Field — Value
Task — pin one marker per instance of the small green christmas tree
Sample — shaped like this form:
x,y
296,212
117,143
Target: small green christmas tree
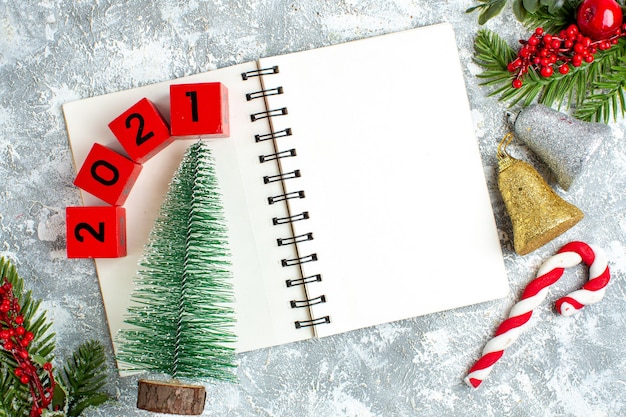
x,y
181,310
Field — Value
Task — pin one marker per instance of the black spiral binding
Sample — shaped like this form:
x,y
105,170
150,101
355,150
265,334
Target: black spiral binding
x,y
277,155
290,219
313,322
281,178
259,72
302,281
273,135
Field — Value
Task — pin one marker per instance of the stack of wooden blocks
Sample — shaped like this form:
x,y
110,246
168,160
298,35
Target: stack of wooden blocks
x,y
196,111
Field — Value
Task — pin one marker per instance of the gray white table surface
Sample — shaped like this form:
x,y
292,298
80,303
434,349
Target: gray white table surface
x,y
55,51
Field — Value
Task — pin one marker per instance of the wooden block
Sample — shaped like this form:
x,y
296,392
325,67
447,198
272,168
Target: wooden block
x,y
95,232
107,175
199,110
142,131
171,398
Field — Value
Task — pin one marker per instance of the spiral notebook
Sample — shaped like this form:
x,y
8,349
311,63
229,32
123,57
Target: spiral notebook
x,y
352,185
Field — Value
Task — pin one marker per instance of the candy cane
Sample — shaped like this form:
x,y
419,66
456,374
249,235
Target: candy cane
x,y
549,273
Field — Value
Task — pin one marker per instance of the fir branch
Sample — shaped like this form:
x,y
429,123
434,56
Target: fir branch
x,y
594,90
31,351
43,342
492,52
84,376
14,401
608,101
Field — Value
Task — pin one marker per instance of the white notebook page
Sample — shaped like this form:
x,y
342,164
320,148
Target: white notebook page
x,y
395,188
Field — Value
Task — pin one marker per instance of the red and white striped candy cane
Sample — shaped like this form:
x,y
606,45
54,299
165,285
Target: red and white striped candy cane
x,y
550,272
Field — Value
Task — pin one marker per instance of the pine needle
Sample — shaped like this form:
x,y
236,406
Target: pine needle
x,y
84,376
14,401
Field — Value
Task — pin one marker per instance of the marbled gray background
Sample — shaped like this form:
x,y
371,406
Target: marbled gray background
x,y
55,51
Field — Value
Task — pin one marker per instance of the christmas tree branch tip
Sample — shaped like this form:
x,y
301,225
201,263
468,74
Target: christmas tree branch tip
x,y
28,380
566,69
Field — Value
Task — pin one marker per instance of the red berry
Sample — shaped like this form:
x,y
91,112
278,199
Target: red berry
x,y
47,366
599,19
564,69
24,379
517,83
546,71
572,30
577,60
514,65
524,52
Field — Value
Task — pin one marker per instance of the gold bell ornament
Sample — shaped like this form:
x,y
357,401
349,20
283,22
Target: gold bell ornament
x,y
538,214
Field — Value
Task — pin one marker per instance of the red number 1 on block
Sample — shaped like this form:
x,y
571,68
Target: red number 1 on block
x,y
199,110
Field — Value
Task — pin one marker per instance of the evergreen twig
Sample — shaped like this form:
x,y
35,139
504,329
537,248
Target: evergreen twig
x,y
14,401
19,401
608,101
84,376
594,90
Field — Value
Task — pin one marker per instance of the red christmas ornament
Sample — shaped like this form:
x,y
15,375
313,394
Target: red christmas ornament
x,y
599,19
